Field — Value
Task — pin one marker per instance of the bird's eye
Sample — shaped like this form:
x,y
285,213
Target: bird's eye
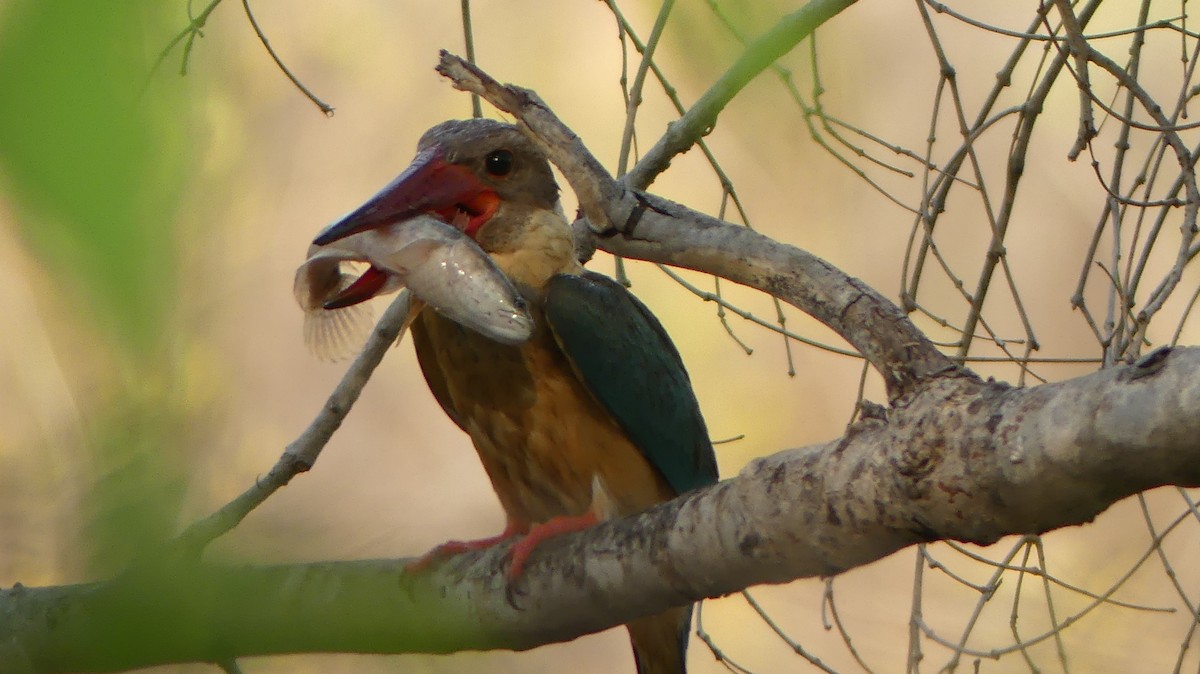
x,y
499,163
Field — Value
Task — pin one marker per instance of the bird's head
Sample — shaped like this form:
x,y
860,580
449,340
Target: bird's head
x,y
465,172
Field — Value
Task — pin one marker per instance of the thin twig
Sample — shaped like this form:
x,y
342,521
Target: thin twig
x,y
728,193
634,97
301,454
325,107
1034,571
193,29
1059,646
700,119
796,646
916,615
841,628
961,649
716,651
469,40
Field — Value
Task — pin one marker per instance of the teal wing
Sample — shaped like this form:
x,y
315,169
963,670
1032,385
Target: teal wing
x,y
627,361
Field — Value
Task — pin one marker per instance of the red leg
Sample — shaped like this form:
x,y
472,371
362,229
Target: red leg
x,y
540,532
451,548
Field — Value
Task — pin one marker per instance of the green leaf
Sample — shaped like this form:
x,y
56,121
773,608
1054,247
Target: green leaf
x,y
89,159
94,164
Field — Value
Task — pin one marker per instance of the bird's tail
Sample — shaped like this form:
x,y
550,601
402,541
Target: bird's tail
x,y
660,641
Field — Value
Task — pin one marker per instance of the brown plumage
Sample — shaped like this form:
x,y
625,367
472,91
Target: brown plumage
x,y
543,416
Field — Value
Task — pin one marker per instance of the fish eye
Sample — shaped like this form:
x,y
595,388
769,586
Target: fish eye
x,y
499,163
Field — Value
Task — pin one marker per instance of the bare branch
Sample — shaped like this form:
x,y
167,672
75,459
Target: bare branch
x,y
194,29
302,453
662,231
634,97
469,41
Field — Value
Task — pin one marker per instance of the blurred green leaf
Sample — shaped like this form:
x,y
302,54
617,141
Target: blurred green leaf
x,y
89,159
94,165
137,482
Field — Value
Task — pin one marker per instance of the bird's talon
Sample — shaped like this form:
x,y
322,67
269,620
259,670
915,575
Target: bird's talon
x,y
512,592
451,548
407,583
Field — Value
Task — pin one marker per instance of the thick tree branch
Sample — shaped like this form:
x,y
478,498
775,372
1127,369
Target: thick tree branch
x,y
961,459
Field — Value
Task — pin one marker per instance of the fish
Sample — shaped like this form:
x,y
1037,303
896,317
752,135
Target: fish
x,y
443,268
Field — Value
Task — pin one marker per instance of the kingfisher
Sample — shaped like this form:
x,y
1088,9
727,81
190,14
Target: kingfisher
x,y
590,418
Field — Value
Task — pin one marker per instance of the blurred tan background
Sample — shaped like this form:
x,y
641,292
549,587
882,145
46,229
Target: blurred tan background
x,y
265,170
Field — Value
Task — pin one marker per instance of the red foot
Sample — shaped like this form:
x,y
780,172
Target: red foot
x,y
540,532
451,548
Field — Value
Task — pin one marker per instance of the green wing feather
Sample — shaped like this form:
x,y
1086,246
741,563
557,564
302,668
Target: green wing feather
x,y
625,358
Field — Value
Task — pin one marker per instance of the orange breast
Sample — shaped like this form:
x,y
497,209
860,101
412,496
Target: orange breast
x,y
541,436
